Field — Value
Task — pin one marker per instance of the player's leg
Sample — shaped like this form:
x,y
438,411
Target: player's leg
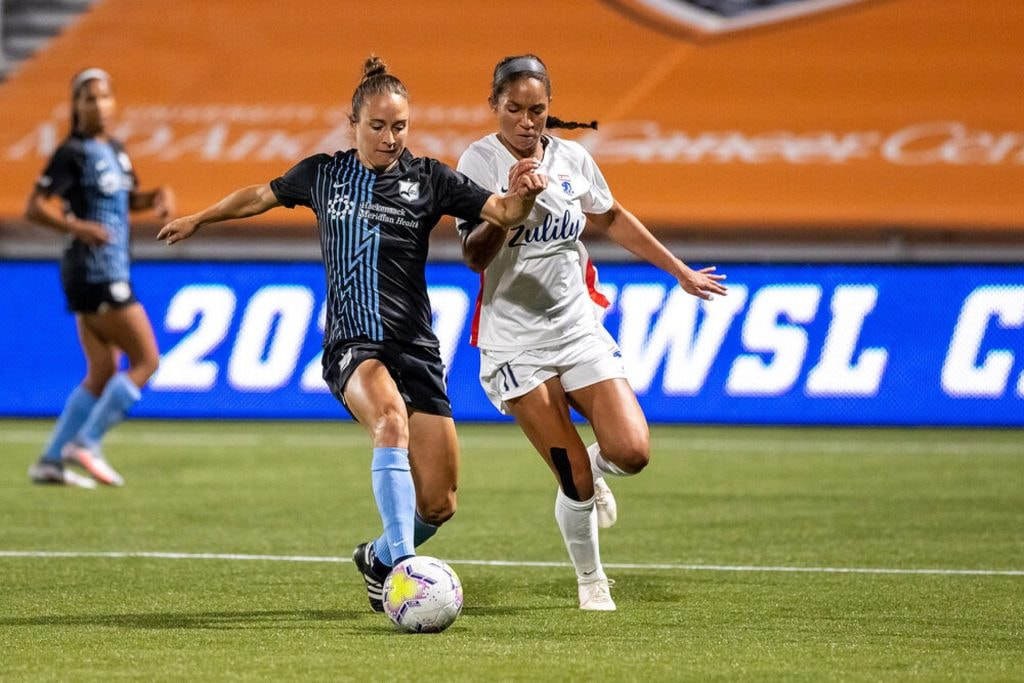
x,y
129,329
543,415
371,395
434,446
434,459
101,361
595,380
434,455
373,398
623,437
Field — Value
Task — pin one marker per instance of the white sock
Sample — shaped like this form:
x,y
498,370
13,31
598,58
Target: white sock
x,y
577,521
599,466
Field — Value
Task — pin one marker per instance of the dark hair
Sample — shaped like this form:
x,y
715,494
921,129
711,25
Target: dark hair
x,y
78,82
516,67
376,81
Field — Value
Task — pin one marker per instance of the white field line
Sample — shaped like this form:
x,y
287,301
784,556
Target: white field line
x,y
798,445
191,439
512,563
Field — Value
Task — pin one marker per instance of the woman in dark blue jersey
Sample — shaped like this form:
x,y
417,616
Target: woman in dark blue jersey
x,y
87,191
375,206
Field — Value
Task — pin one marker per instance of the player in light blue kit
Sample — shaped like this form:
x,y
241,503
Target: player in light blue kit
x,y
87,191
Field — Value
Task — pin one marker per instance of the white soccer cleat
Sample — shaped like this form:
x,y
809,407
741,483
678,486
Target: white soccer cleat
x,y
604,504
596,596
43,472
92,461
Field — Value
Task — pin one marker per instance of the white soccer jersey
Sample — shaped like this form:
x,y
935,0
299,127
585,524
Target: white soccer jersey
x,y
535,292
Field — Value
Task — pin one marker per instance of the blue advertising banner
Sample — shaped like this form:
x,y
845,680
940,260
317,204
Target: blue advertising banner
x,y
790,344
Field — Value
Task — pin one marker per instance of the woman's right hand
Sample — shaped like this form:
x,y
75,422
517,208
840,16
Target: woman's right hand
x,y
178,229
90,232
521,168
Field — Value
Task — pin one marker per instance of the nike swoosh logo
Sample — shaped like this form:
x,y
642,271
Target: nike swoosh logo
x,y
504,190
340,185
345,360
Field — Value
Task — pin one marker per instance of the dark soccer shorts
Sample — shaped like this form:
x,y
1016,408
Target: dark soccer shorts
x,y
417,370
96,297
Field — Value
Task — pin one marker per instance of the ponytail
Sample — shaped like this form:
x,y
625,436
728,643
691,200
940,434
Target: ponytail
x,y
376,81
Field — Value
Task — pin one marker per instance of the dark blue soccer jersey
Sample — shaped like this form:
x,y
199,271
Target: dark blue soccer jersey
x,y
95,179
374,234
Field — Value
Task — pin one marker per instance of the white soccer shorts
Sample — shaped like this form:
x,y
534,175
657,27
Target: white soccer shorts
x,y
579,363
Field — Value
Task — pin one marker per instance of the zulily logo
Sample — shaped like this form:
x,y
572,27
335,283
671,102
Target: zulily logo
x,y
551,230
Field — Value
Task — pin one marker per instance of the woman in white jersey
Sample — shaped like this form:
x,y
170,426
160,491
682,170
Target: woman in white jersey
x,y
542,346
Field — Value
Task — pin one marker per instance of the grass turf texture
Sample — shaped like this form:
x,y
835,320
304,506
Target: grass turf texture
x,y
910,499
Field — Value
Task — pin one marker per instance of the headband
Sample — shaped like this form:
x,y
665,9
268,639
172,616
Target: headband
x,y
89,75
519,65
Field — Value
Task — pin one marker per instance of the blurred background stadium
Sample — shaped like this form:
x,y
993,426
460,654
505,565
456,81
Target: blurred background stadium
x,y
853,166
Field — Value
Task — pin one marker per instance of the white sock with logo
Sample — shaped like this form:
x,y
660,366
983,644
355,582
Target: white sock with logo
x,y
578,523
600,466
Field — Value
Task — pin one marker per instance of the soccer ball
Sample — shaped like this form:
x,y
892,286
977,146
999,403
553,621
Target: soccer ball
x,y
422,595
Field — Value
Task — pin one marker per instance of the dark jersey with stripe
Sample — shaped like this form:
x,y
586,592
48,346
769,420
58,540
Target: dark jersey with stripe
x,y
374,234
95,179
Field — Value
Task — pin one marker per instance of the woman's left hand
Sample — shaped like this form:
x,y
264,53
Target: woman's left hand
x,y
702,283
178,229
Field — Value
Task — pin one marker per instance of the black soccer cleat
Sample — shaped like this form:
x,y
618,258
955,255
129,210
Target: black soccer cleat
x,y
367,564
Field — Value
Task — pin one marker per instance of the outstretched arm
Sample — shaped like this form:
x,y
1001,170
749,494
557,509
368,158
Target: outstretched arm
x,y
626,229
243,203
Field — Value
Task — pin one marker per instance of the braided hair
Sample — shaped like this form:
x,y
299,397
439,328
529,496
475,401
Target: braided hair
x,y
516,67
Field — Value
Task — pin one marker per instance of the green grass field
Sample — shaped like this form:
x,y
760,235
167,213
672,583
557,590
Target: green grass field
x,y
706,557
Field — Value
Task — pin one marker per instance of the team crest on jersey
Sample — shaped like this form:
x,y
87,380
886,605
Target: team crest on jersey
x,y
564,181
409,190
109,180
339,206
702,18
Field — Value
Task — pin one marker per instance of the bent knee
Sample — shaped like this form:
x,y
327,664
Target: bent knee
x,y
144,368
631,457
96,380
439,511
391,428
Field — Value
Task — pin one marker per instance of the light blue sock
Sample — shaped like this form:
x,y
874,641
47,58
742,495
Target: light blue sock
x,y
422,532
76,412
118,397
396,499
